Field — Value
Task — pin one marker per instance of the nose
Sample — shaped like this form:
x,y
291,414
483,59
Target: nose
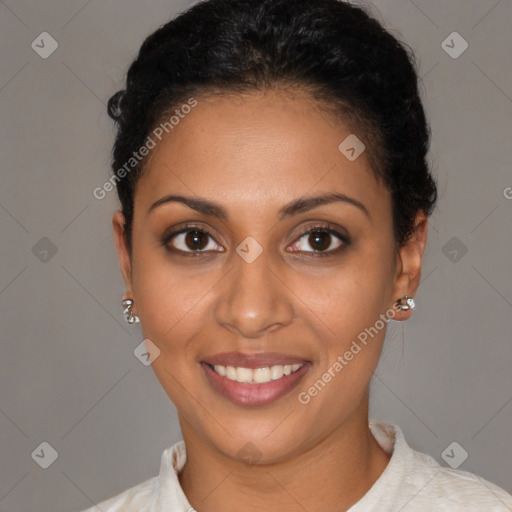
x,y
253,299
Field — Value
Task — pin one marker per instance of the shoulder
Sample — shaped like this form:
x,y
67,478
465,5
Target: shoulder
x,y
446,489
416,482
157,493
135,499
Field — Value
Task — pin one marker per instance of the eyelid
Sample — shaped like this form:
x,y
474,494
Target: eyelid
x,y
327,227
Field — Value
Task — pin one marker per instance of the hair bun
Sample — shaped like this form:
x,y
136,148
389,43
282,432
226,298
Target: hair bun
x,y
116,105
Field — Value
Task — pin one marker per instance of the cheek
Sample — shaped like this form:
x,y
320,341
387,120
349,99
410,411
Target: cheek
x,y
350,332
167,295
170,305
345,311
349,297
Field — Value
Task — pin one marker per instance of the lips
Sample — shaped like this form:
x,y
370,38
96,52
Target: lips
x,y
254,393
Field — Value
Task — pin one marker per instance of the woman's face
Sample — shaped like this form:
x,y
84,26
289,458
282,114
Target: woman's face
x,y
257,284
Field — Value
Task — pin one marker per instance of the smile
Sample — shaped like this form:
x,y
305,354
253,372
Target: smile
x,y
254,386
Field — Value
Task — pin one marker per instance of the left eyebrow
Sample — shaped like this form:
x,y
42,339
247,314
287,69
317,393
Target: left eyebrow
x,y
308,203
297,206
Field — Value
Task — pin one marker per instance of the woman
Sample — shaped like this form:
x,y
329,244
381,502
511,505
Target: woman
x,y
271,166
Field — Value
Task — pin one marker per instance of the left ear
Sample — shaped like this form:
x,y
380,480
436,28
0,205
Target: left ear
x,y
408,264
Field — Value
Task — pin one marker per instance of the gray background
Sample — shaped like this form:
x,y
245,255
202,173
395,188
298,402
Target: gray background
x,y
68,375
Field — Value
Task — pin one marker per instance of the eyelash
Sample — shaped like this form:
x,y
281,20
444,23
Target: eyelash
x,y
327,228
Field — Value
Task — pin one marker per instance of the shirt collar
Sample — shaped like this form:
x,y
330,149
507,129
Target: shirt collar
x,y
383,493
170,495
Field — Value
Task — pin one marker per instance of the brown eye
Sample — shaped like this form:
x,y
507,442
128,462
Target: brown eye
x,y
319,240
322,241
189,240
196,240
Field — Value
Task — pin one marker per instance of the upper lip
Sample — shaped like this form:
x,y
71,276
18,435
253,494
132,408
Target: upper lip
x,y
252,361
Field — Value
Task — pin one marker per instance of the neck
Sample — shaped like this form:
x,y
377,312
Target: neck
x,y
332,475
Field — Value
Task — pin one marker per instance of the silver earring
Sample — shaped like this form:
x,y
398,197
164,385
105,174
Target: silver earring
x,y
127,311
405,303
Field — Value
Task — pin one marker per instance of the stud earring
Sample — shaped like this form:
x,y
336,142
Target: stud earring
x,y
127,311
405,303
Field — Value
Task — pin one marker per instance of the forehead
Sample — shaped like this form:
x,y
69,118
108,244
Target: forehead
x,y
257,150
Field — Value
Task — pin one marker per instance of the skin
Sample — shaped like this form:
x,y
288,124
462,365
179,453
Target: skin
x,y
253,154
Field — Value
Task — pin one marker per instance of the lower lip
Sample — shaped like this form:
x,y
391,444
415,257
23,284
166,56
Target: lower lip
x,y
241,393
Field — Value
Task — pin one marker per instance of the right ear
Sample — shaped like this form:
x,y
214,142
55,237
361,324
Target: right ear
x,y
118,223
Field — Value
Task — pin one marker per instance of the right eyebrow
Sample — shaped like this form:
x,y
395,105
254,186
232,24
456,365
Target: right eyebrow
x,y
201,205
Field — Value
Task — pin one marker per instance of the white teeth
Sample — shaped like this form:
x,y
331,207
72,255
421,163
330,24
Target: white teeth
x,y
243,374
277,372
262,375
230,372
221,370
258,375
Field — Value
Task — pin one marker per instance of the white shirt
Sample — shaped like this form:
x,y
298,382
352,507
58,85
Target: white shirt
x,y
411,482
